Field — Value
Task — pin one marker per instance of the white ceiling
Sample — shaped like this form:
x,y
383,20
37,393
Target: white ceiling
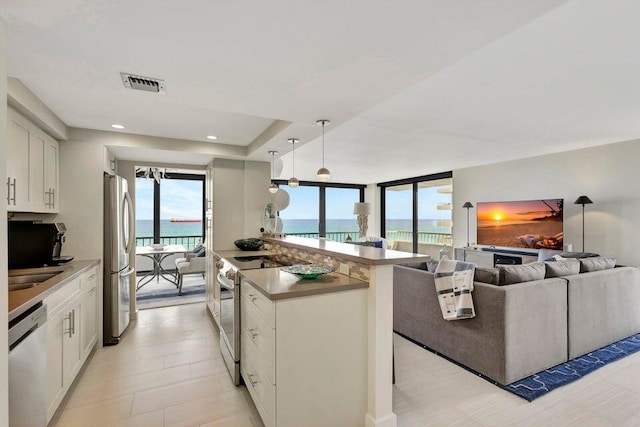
x,y
411,87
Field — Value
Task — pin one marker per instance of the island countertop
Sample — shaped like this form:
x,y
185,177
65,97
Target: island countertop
x,y
361,254
21,300
276,284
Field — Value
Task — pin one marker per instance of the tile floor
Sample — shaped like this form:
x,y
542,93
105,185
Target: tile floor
x,y
167,371
430,391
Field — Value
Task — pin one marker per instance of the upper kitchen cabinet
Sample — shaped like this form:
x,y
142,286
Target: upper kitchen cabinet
x,y
32,167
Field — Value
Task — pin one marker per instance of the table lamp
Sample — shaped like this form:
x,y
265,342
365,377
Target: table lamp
x,y
362,210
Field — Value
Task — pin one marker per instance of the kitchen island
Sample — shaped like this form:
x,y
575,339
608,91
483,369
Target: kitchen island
x,y
374,266
304,347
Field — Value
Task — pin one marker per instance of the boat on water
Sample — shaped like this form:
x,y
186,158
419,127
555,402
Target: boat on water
x,y
185,220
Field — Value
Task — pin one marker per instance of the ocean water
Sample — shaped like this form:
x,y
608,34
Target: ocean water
x,y
144,228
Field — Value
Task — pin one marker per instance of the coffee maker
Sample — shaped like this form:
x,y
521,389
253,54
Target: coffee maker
x,y
57,245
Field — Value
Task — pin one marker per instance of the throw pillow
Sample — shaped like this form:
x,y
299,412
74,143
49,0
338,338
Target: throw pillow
x,y
510,274
546,254
561,268
431,266
487,275
595,264
577,255
200,252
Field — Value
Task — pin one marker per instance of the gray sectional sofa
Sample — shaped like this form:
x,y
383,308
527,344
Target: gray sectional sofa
x,y
521,328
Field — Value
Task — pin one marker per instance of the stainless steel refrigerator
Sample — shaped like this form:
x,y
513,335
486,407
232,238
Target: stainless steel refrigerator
x,y
119,242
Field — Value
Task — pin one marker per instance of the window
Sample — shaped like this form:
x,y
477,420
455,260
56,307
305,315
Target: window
x,y
302,216
321,210
416,213
171,211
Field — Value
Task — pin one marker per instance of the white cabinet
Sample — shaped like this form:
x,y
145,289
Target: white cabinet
x,y
51,174
20,137
32,167
297,352
63,343
71,334
88,314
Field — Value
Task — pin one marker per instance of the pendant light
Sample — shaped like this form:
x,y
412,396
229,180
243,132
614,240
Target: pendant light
x,y
273,188
323,173
293,181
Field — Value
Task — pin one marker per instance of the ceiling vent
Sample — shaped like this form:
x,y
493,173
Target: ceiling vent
x,y
147,84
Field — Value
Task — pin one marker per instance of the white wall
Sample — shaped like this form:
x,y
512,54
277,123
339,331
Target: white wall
x,y
4,304
608,174
239,196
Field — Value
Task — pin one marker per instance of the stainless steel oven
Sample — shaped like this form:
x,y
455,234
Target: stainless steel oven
x,y
228,280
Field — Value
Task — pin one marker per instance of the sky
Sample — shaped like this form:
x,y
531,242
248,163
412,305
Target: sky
x,y
183,199
180,199
515,211
305,203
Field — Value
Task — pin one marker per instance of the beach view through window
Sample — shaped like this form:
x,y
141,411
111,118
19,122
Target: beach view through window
x,y
180,213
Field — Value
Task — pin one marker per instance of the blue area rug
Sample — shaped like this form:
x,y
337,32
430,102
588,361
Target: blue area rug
x,y
172,293
539,384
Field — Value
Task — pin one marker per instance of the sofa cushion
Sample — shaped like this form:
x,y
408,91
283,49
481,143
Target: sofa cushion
x,y
596,264
431,266
561,268
510,274
487,275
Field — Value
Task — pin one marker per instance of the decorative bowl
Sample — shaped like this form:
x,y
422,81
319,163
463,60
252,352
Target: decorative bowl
x,y
157,246
309,271
250,244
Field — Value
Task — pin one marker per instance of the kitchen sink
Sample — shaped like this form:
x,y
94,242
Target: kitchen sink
x,y
25,281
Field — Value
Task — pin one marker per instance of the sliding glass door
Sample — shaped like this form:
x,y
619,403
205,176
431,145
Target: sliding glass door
x,y
416,214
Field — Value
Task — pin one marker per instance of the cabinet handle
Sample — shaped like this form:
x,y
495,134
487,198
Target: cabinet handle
x,y
253,383
92,290
70,330
14,192
253,333
8,190
53,198
73,321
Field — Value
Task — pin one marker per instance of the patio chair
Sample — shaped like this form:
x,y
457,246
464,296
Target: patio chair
x,y
192,264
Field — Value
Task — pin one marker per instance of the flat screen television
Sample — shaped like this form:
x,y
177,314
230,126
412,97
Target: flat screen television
x,y
534,224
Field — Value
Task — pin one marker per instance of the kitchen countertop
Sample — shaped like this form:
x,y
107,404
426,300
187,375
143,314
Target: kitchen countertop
x,y
276,284
20,301
361,254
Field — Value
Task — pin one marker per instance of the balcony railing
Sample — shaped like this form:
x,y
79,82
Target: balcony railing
x,y
427,237
336,236
189,242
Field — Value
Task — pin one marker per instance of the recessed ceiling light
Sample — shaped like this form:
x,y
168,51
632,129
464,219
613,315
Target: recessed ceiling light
x,y
117,126
212,137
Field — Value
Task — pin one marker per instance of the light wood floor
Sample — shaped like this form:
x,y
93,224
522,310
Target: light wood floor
x,y
167,371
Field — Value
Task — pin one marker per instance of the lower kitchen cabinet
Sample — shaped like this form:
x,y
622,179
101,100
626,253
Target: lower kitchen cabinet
x,y
88,313
304,359
71,334
63,352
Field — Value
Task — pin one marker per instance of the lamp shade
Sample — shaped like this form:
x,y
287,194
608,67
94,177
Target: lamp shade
x,y
467,205
583,200
362,208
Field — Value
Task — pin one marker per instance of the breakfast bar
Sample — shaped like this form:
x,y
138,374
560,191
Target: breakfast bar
x,y
374,266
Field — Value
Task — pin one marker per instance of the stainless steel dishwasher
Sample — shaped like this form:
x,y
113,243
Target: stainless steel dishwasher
x,y
28,369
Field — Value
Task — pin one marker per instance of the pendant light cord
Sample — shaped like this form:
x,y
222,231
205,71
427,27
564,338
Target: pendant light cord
x,y
293,157
323,144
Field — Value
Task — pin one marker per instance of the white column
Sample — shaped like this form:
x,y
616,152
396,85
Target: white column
x,y
380,348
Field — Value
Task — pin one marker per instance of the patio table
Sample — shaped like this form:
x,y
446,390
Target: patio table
x,y
157,256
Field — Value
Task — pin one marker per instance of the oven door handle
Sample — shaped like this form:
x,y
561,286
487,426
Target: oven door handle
x,y
222,281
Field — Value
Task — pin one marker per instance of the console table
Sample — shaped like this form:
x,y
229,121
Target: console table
x,y
490,257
